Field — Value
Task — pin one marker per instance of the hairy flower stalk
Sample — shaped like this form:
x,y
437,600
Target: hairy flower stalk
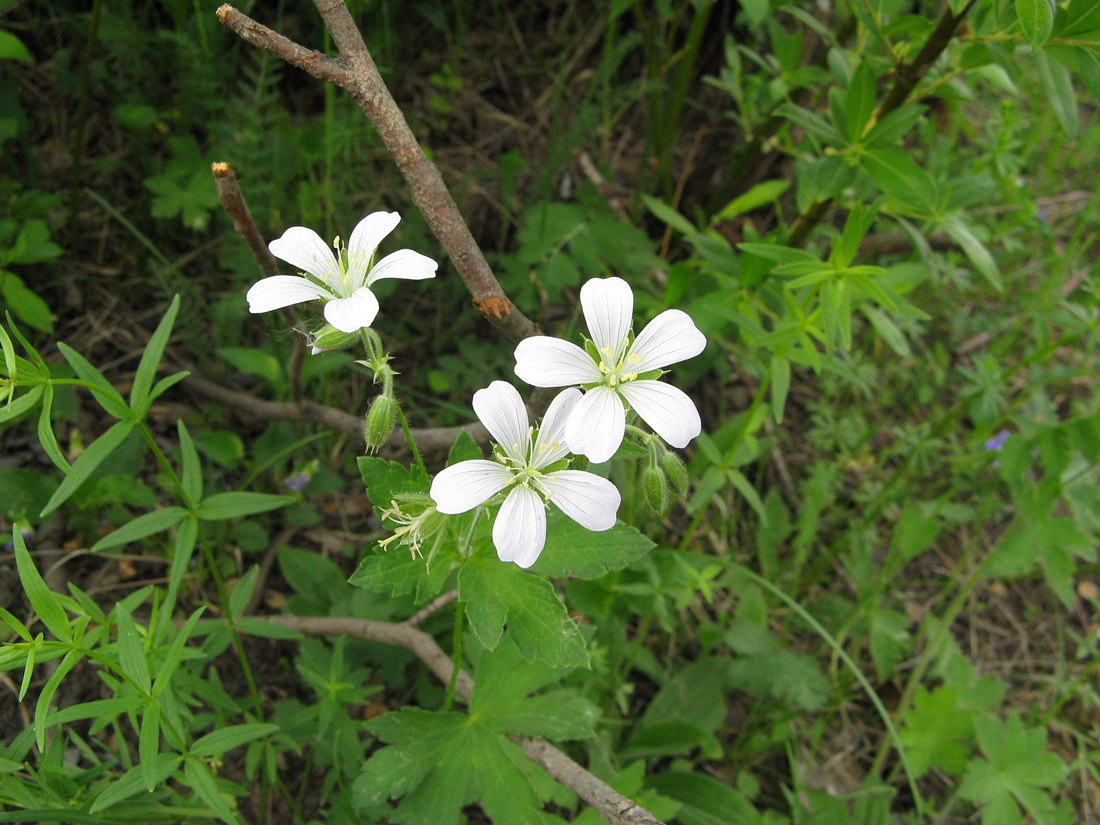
x,y
529,464
616,370
342,280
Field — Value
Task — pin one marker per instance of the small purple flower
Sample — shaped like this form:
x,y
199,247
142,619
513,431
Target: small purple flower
x,y
997,442
297,482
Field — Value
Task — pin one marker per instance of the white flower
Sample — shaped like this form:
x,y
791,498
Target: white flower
x,y
596,426
342,282
519,532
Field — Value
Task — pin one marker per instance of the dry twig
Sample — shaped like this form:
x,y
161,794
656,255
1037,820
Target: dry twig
x,y
429,439
357,75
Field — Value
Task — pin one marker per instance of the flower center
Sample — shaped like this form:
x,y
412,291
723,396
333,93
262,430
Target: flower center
x,y
619,369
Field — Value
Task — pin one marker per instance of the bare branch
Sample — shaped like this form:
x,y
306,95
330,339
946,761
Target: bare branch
x,y
430,439
431,609
229,192
612,805
318,64
358,76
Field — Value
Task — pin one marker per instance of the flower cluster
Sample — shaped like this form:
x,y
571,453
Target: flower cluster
x,y
615,372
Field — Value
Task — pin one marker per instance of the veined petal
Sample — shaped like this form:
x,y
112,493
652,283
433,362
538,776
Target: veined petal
x,y
404,264
543,361
596,426
501,410
669,338
589,500
366,236
669,411
352,313
280,291
608,305
550,443
465,485
519,532
303,248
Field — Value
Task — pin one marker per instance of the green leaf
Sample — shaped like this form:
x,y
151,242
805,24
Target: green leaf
x,y
975,250
268,630
131,652
42,706
16,625
86,463
31,309
1078,18
705,800
191,477
150,359
759,195
439,763
859,101
132,782
222,506
574,552
495,592
12,48
242,592
225,739
141,527
22,404
781,385
198,776
105,708
887,330
175,653
107,396
907,186
500,697
28,670
935,731
166,383
777,252
44,601
1016,770
745,488
9,353
385,479
46,435
254,362
668,215
1036,20
810,122
1058,90
149,743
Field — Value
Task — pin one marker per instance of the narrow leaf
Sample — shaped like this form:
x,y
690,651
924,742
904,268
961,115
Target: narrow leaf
x,y
46,435
149,744
141,527
202,782
192,469
42,707
132,782
44,601
150,358
222,506
1036,20
107,396
85,465
666,213
1058,88
131,653
225,739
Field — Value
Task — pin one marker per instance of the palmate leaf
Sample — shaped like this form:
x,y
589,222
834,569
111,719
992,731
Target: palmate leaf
x,y
440,762
572,551
495,593
1018,770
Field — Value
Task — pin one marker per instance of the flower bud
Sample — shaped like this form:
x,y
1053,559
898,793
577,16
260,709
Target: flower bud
x,y
676,472
381,419
656,489
329,337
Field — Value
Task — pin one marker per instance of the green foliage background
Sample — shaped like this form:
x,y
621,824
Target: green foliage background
x,y
875,601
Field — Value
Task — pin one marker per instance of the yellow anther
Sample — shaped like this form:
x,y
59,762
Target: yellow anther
x,y
605,350
603,368
614,380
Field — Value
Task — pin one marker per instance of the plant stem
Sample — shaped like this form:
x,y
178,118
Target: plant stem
x,y
456,656
409,440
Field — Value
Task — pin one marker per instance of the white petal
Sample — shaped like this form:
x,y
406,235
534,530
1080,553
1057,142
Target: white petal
x,y
542,361
280,291
465,485
350,314
520,529
303,248
608,305
669,338
366,236
669,411
595,429
550,444
404,264
589,500
501,410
